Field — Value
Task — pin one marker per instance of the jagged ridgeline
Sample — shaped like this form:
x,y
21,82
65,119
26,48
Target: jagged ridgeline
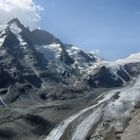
x,y
33,62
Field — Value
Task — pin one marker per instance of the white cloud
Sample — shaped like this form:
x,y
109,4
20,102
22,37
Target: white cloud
x,y
27,11
96,52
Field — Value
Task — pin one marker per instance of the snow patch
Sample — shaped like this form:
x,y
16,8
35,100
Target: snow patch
x,y
3,27
50,52
1,100
2,37
15,29
2,40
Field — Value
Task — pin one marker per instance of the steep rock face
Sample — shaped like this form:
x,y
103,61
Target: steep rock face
x,y
133,68
43,37
5,79
104,78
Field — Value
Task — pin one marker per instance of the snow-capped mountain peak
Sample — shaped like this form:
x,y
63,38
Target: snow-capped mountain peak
x,y
16,21
133,58
14,27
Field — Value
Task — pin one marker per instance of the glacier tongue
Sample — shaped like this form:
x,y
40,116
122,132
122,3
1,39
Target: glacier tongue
x,y
115,109
87,124
121,107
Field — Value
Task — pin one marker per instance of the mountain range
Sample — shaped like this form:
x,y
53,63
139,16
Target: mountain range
x,y
37,68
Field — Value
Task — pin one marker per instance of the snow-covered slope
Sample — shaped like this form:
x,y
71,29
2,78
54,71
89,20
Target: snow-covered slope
x,y
115,73
51,52
82,60
133,58
2,34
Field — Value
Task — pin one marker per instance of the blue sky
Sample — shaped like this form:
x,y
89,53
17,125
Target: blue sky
x,y
110,26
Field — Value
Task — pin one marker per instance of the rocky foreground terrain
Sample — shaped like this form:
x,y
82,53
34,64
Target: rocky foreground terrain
x,y
132,132
55,91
